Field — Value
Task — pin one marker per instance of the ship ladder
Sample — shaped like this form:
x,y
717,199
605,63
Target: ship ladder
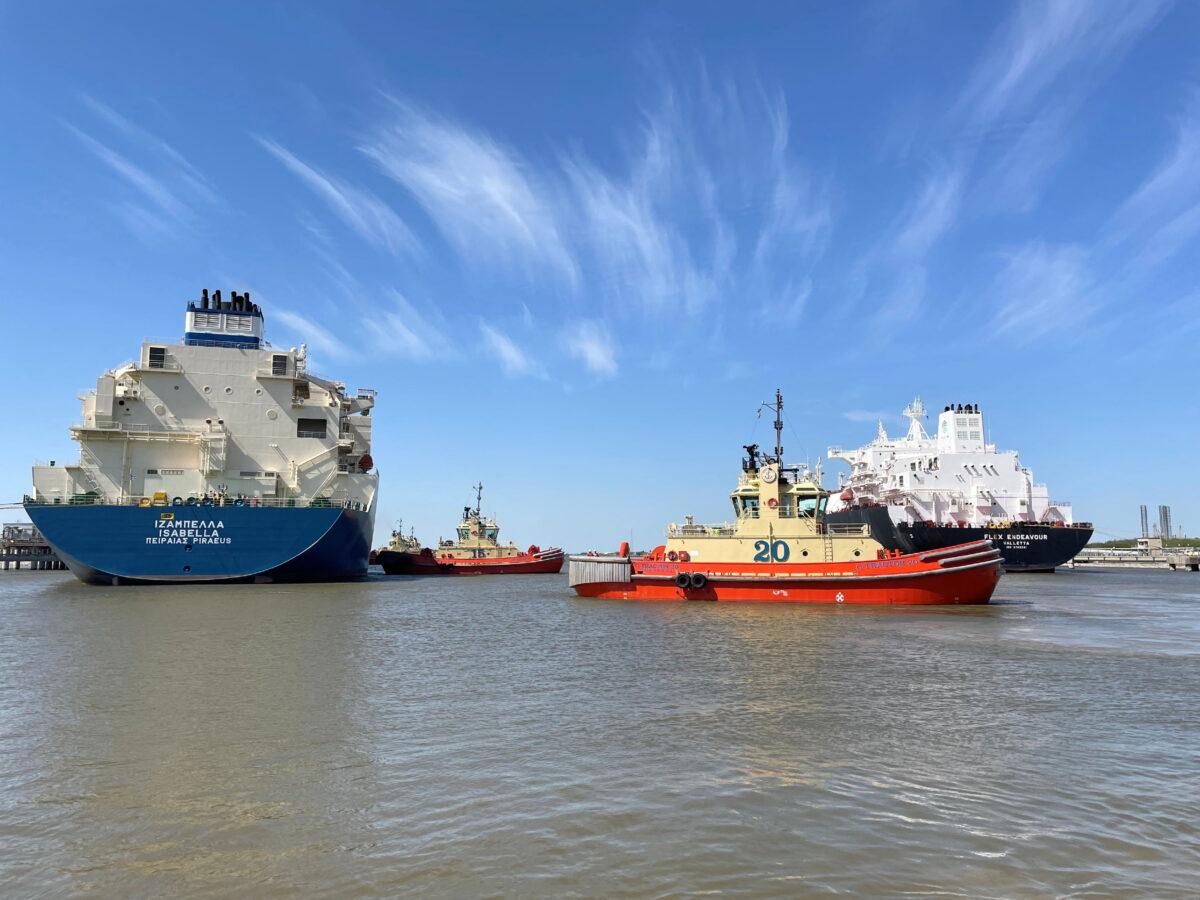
x,y
828,544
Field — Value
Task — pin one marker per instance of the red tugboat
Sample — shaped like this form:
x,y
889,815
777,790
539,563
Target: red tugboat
x,y
477,551
779,548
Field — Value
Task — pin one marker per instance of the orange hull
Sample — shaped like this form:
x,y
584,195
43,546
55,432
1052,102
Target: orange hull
x,y
965,574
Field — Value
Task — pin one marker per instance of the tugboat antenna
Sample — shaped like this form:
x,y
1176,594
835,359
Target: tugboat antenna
x,y
777,408
478,497
778,426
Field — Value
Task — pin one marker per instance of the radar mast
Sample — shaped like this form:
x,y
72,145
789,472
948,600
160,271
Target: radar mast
x,y
777,408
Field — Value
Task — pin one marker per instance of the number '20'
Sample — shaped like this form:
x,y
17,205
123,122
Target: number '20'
x,y
767,552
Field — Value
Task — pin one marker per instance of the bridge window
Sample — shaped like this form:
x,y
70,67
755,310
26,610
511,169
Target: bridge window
x,y
158,357
279,364
310,428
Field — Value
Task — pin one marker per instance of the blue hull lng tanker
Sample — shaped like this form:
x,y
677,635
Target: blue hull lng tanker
x,y
217,459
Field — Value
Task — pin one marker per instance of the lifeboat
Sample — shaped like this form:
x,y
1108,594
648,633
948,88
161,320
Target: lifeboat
x,y
778,548
476,551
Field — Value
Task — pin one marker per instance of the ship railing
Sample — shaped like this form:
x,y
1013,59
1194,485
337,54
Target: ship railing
x,y
194,502
846,529
723,529
168,364
232,345
123,427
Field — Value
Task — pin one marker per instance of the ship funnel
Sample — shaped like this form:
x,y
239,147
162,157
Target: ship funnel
x,y
216,300
204,298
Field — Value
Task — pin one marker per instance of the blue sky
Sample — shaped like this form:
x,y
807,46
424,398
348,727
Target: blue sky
x,y
575,245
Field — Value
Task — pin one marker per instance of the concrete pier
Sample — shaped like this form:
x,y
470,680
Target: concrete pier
x,y
23,547
1148,554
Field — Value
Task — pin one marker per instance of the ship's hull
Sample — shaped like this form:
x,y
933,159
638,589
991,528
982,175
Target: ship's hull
x,y
1024,546
966,574
198,544
396,562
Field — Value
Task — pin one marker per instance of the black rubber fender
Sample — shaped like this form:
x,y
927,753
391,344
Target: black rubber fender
x,y
698,581
683,580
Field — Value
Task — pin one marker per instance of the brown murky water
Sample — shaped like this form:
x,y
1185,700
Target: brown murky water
x,y
496,736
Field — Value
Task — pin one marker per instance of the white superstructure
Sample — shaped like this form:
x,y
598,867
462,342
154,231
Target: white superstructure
x,y
222,415
952,477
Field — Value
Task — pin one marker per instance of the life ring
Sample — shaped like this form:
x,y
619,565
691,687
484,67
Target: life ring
x,y
672,556
178,501
772,502
145,501
684,556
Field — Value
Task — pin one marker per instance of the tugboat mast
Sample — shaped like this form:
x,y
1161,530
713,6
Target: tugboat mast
x,y
478,497
778,426
777,408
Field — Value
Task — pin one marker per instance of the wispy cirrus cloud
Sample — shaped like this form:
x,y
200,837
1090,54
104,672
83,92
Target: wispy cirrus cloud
x,y
1162,215
482,196
930,216
369,216
590,343
400,329
656,231
1041,42
1042,289
168,191
140,179
1018,107
191,177
932,213
316,336
504,349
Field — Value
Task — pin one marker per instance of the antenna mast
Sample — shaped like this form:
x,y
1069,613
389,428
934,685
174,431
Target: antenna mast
x,y
778,426
478,497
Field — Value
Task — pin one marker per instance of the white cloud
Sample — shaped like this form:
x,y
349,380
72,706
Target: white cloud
x,y
1045,39
403,331
590,343
1013,184
361,210
799,218
1163,214
1014,118
1043,289
184,171
644,259
139,178
310,333
905,299
931,214
482,196
512,358
653,231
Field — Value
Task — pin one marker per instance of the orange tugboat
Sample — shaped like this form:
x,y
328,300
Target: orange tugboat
x,y
477,551
779,548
